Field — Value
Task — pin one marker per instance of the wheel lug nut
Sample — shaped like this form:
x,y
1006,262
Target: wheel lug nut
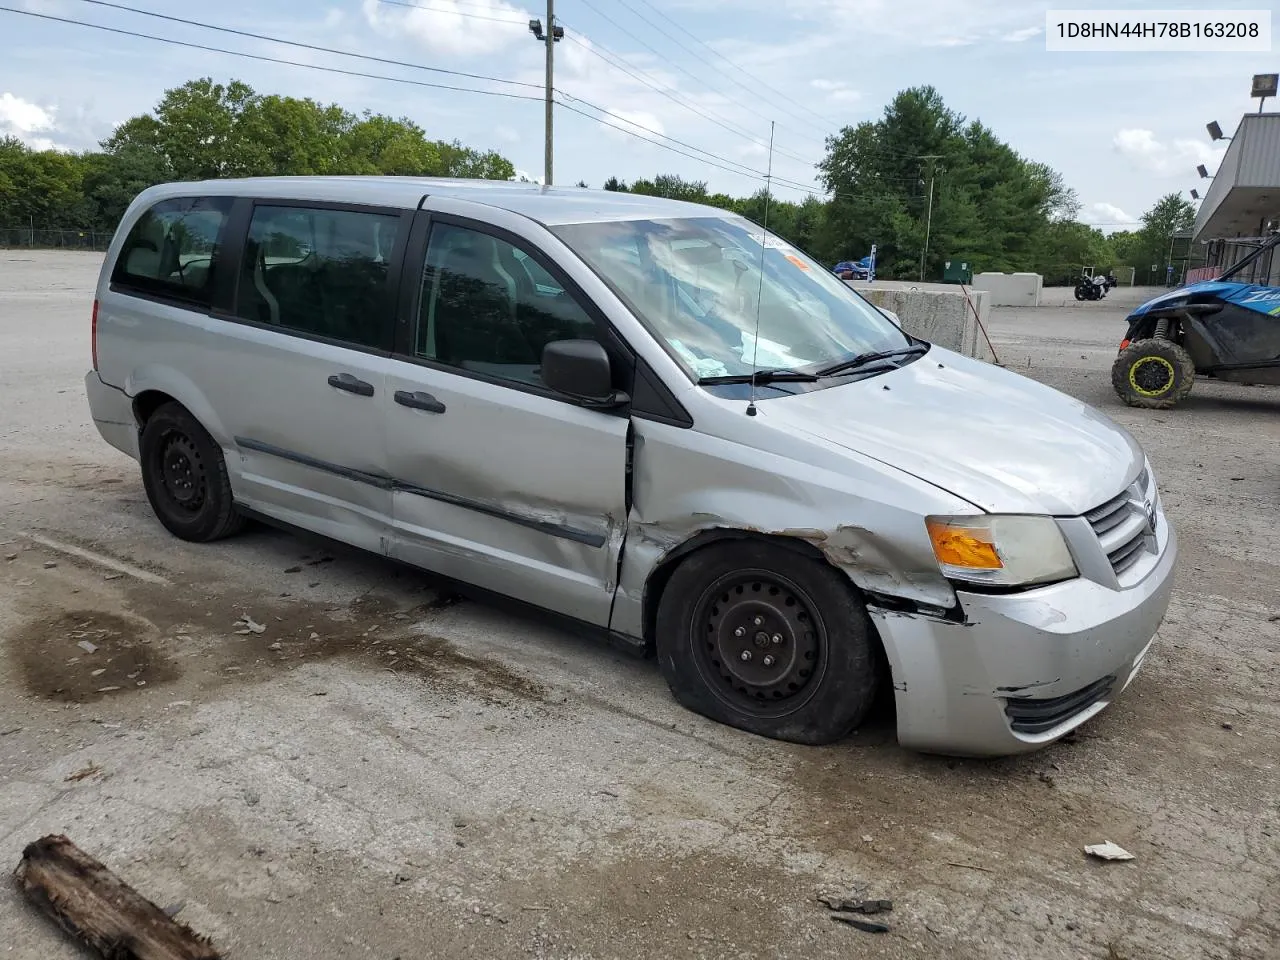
x,y
759,620
746,655
769,661
740,632
777,639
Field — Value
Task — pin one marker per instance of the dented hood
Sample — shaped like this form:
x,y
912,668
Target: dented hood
x,y
999,440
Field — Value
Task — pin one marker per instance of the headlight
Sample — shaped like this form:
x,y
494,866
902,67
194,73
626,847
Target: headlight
x,y
1005,551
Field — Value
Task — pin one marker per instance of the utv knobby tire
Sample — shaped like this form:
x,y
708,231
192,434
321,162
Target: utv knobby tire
x,y
1155,374
185,477
826,664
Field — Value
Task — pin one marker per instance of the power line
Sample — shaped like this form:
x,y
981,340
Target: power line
x,y
656,143
460,13
307,46
266,59
667,92
754,90
586,103
659,53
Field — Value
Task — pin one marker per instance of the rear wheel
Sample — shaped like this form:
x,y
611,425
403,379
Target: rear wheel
x,y
1153,373
185,477
768,640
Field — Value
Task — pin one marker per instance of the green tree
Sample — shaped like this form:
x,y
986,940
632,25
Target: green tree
x,y
990,206
1151,244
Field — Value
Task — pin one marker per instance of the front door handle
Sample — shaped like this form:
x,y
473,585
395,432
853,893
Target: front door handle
x,y
419,401
345,381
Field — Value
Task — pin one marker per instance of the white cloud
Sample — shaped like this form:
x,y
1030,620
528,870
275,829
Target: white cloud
x,y
1178,157
1106,215
930,23
1018,36
454,27
641,122
20,118
837,91
506,134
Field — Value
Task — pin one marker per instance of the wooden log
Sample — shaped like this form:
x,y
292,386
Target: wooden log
x,y
94,905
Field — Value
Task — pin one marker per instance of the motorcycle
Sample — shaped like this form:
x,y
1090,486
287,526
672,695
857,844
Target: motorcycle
x,y
1092,288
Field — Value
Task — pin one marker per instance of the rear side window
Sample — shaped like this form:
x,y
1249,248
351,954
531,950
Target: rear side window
x,y
172,250
319,271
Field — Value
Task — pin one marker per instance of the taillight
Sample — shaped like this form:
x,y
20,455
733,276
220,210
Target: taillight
x,y
93,334
1124,343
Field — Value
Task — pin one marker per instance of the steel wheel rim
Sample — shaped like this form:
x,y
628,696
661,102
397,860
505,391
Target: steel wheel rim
x,y
759,642
183,477
1151,376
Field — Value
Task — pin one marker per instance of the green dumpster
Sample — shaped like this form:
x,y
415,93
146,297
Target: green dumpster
x,y
957,271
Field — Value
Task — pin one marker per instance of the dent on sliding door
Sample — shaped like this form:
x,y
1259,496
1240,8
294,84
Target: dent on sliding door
x,y
497,481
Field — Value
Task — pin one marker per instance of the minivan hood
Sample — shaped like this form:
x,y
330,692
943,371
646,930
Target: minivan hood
x,y
999,440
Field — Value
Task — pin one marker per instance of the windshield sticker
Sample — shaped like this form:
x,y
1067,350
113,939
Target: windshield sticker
x,y
771,242
797,261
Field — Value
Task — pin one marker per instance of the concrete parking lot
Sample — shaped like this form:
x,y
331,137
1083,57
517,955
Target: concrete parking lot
x,y
386,771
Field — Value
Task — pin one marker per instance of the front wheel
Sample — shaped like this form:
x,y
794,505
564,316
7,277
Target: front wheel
x,y
768,640
1153,373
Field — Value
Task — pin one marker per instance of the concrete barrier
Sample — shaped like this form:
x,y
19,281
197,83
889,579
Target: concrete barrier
x,y
1011,289
937,312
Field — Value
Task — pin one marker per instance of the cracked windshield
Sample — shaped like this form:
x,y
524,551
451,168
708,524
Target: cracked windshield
x,y
696,283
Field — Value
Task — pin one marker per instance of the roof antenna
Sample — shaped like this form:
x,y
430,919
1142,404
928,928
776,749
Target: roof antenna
x,y
764,236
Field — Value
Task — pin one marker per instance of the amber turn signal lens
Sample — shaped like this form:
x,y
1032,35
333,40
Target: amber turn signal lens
x,y
963,546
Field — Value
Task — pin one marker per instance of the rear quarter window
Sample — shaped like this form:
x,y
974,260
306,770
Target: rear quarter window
x,y
172,250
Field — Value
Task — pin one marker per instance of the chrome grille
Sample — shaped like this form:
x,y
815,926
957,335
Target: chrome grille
x,y
1122,525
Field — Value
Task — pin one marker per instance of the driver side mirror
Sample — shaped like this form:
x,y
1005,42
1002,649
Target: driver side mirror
x,y
580,369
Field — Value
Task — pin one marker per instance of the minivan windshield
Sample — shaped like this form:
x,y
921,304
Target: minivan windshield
x,y
695,284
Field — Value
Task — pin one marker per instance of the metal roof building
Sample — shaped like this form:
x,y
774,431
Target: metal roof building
x,y
1244,198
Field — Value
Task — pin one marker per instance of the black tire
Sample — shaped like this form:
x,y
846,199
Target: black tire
x,y
1079,293
805,615
185,477
1154,374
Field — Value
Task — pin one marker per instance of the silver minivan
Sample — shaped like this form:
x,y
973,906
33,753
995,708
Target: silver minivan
x,y
651,418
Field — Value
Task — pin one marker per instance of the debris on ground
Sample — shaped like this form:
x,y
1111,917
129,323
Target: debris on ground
x,y
92,904
845,910
84,774
1108,851
50,564
246,624
844,905
87,647
870,926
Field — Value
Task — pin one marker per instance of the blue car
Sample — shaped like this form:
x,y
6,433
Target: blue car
x,y
853,269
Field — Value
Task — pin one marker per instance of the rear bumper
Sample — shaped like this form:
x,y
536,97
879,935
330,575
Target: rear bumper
x,y
112,412
1024,669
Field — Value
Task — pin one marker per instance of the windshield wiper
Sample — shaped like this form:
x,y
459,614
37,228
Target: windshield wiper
x,y
761,377
863,359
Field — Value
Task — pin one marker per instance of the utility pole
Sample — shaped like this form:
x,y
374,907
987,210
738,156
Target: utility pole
x,y
928,222
552,36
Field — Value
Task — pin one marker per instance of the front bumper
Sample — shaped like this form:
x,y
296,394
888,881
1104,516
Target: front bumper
x,y
1059,654
112,412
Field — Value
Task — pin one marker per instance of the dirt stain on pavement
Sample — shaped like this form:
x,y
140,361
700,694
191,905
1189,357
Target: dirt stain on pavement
x,y
80,656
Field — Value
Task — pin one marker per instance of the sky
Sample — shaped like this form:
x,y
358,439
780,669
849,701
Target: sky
x,y
702,77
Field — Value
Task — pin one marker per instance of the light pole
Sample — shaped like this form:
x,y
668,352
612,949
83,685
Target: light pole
x,y
553,35
928,219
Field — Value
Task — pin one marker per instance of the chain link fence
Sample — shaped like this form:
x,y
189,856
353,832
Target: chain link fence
x,y
53,238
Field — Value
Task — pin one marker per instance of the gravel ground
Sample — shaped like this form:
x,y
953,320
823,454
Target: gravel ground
x,y
388,772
